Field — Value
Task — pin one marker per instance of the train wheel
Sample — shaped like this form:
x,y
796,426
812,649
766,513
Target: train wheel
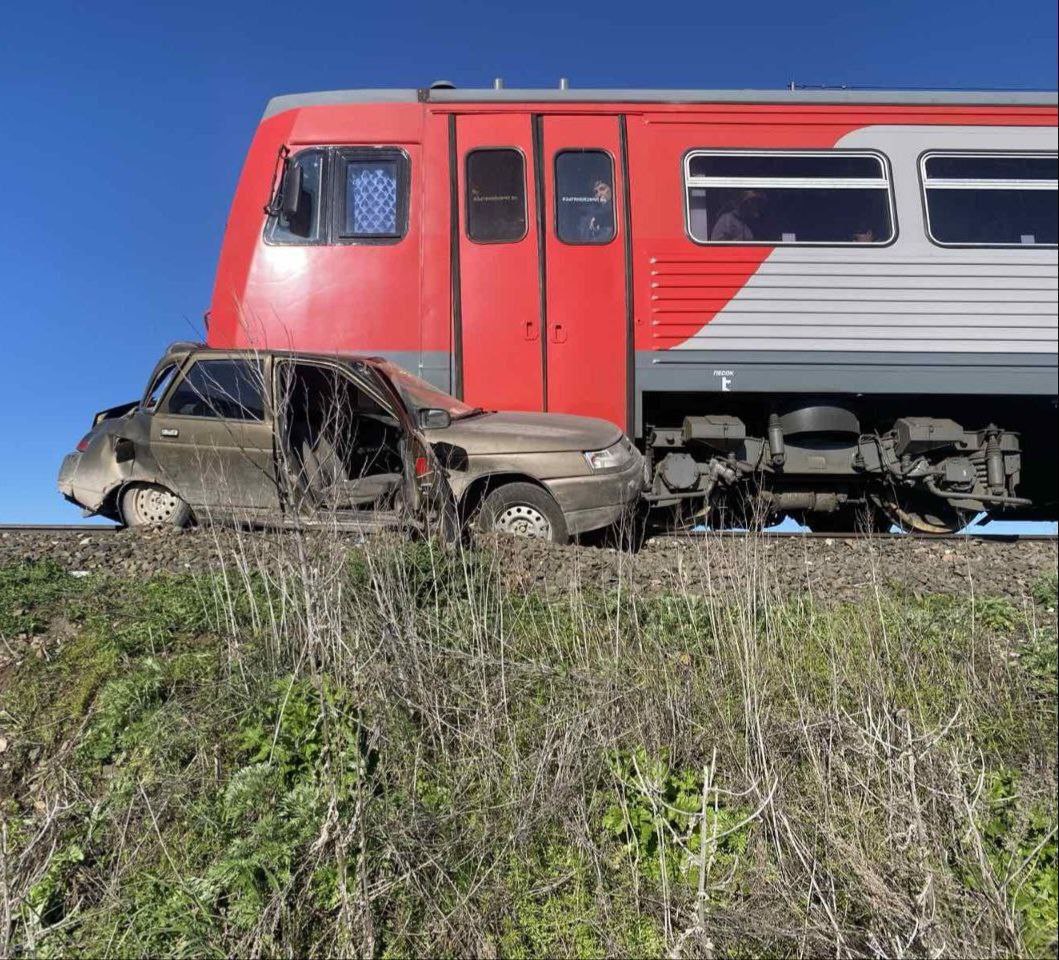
x,y
523,510
151,505
922,514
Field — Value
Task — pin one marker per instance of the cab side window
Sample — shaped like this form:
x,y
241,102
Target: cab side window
x,y
304,225
371,196
345,195
225,389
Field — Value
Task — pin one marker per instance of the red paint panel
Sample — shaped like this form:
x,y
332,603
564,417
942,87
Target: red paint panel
x,y
500,292
587,348
352,297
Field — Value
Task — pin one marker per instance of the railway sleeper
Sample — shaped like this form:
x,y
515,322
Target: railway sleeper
x,y
815,463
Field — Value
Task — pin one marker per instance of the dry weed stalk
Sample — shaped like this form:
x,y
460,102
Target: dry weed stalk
x,y
433,636
498,726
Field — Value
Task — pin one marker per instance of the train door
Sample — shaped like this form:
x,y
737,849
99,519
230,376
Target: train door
x,y
498,297
587,301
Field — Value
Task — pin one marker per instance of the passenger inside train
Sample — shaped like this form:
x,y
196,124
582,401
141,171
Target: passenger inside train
x,y
584,184
738,222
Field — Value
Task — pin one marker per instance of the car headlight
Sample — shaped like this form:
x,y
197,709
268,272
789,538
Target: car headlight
x,y
616,455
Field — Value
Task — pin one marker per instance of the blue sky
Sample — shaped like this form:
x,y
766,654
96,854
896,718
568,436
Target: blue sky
x,y
126,126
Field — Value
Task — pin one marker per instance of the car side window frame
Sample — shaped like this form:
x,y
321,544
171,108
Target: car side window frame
x,y
352,372
165,404
388,394
171,371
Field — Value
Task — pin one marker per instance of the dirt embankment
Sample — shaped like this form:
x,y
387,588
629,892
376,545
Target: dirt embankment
x,y
839,568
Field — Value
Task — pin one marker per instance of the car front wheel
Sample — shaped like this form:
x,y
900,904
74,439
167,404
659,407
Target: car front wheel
x,y
523,510
152,505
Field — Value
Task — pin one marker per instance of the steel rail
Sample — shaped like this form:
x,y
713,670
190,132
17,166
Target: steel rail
x,y
60,527
689,535
856,535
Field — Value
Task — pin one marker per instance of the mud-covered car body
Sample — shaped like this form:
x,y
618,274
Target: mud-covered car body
x,y
239,435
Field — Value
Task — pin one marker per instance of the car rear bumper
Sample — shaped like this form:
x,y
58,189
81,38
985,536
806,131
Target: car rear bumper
x,y
598,500
67,472
72,483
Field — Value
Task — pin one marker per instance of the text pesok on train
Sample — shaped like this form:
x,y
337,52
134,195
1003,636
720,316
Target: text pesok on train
x,y
825,304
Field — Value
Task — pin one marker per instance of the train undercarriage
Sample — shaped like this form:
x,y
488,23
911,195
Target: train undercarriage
x,y
842,464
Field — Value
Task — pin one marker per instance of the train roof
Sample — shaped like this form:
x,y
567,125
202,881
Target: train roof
x,y
840,95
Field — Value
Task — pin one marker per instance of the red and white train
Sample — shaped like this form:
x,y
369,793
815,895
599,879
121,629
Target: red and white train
x,y
832,300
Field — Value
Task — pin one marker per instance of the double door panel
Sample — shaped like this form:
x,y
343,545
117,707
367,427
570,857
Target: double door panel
x,y
542,264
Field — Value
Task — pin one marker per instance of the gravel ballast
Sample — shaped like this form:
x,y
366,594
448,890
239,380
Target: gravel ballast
x,y
839,568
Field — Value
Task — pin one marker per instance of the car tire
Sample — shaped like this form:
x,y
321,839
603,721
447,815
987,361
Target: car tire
x,y
152,505
524,510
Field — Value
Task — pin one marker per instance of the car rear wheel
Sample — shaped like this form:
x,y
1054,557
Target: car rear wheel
x,y
152,505
523,510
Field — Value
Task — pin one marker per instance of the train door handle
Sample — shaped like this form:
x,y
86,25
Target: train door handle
x,y
558,333
529,329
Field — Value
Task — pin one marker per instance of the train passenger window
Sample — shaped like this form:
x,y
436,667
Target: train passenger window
x,y
786,199
372,200
305,225
228,389
994,200
496,196
584,196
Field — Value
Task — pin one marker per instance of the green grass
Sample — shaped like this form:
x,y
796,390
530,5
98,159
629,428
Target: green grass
x,y
388,755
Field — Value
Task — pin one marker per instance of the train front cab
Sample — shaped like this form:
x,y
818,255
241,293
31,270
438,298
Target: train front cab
x,y
442,240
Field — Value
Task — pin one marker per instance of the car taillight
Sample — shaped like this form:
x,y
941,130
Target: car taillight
x,y
82,444
422,466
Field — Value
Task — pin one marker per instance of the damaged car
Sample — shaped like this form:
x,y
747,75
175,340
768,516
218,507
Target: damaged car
x,y
295,438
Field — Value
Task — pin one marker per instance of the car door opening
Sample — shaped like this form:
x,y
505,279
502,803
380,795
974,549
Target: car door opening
x,y
342,446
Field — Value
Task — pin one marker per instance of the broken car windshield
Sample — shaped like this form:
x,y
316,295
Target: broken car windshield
x,y
423,396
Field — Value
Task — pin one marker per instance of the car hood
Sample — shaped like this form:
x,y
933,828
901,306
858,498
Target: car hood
x,y
493,433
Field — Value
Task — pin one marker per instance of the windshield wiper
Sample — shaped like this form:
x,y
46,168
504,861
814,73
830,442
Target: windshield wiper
x,y
476,412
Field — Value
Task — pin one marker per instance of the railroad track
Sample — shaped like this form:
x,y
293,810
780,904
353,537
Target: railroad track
x,y
105,528
810,535
59,528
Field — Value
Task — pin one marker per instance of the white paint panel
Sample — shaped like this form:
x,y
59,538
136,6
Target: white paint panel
x,y
910,296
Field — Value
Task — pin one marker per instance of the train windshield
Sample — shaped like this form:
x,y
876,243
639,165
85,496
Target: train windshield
x,y
421,395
